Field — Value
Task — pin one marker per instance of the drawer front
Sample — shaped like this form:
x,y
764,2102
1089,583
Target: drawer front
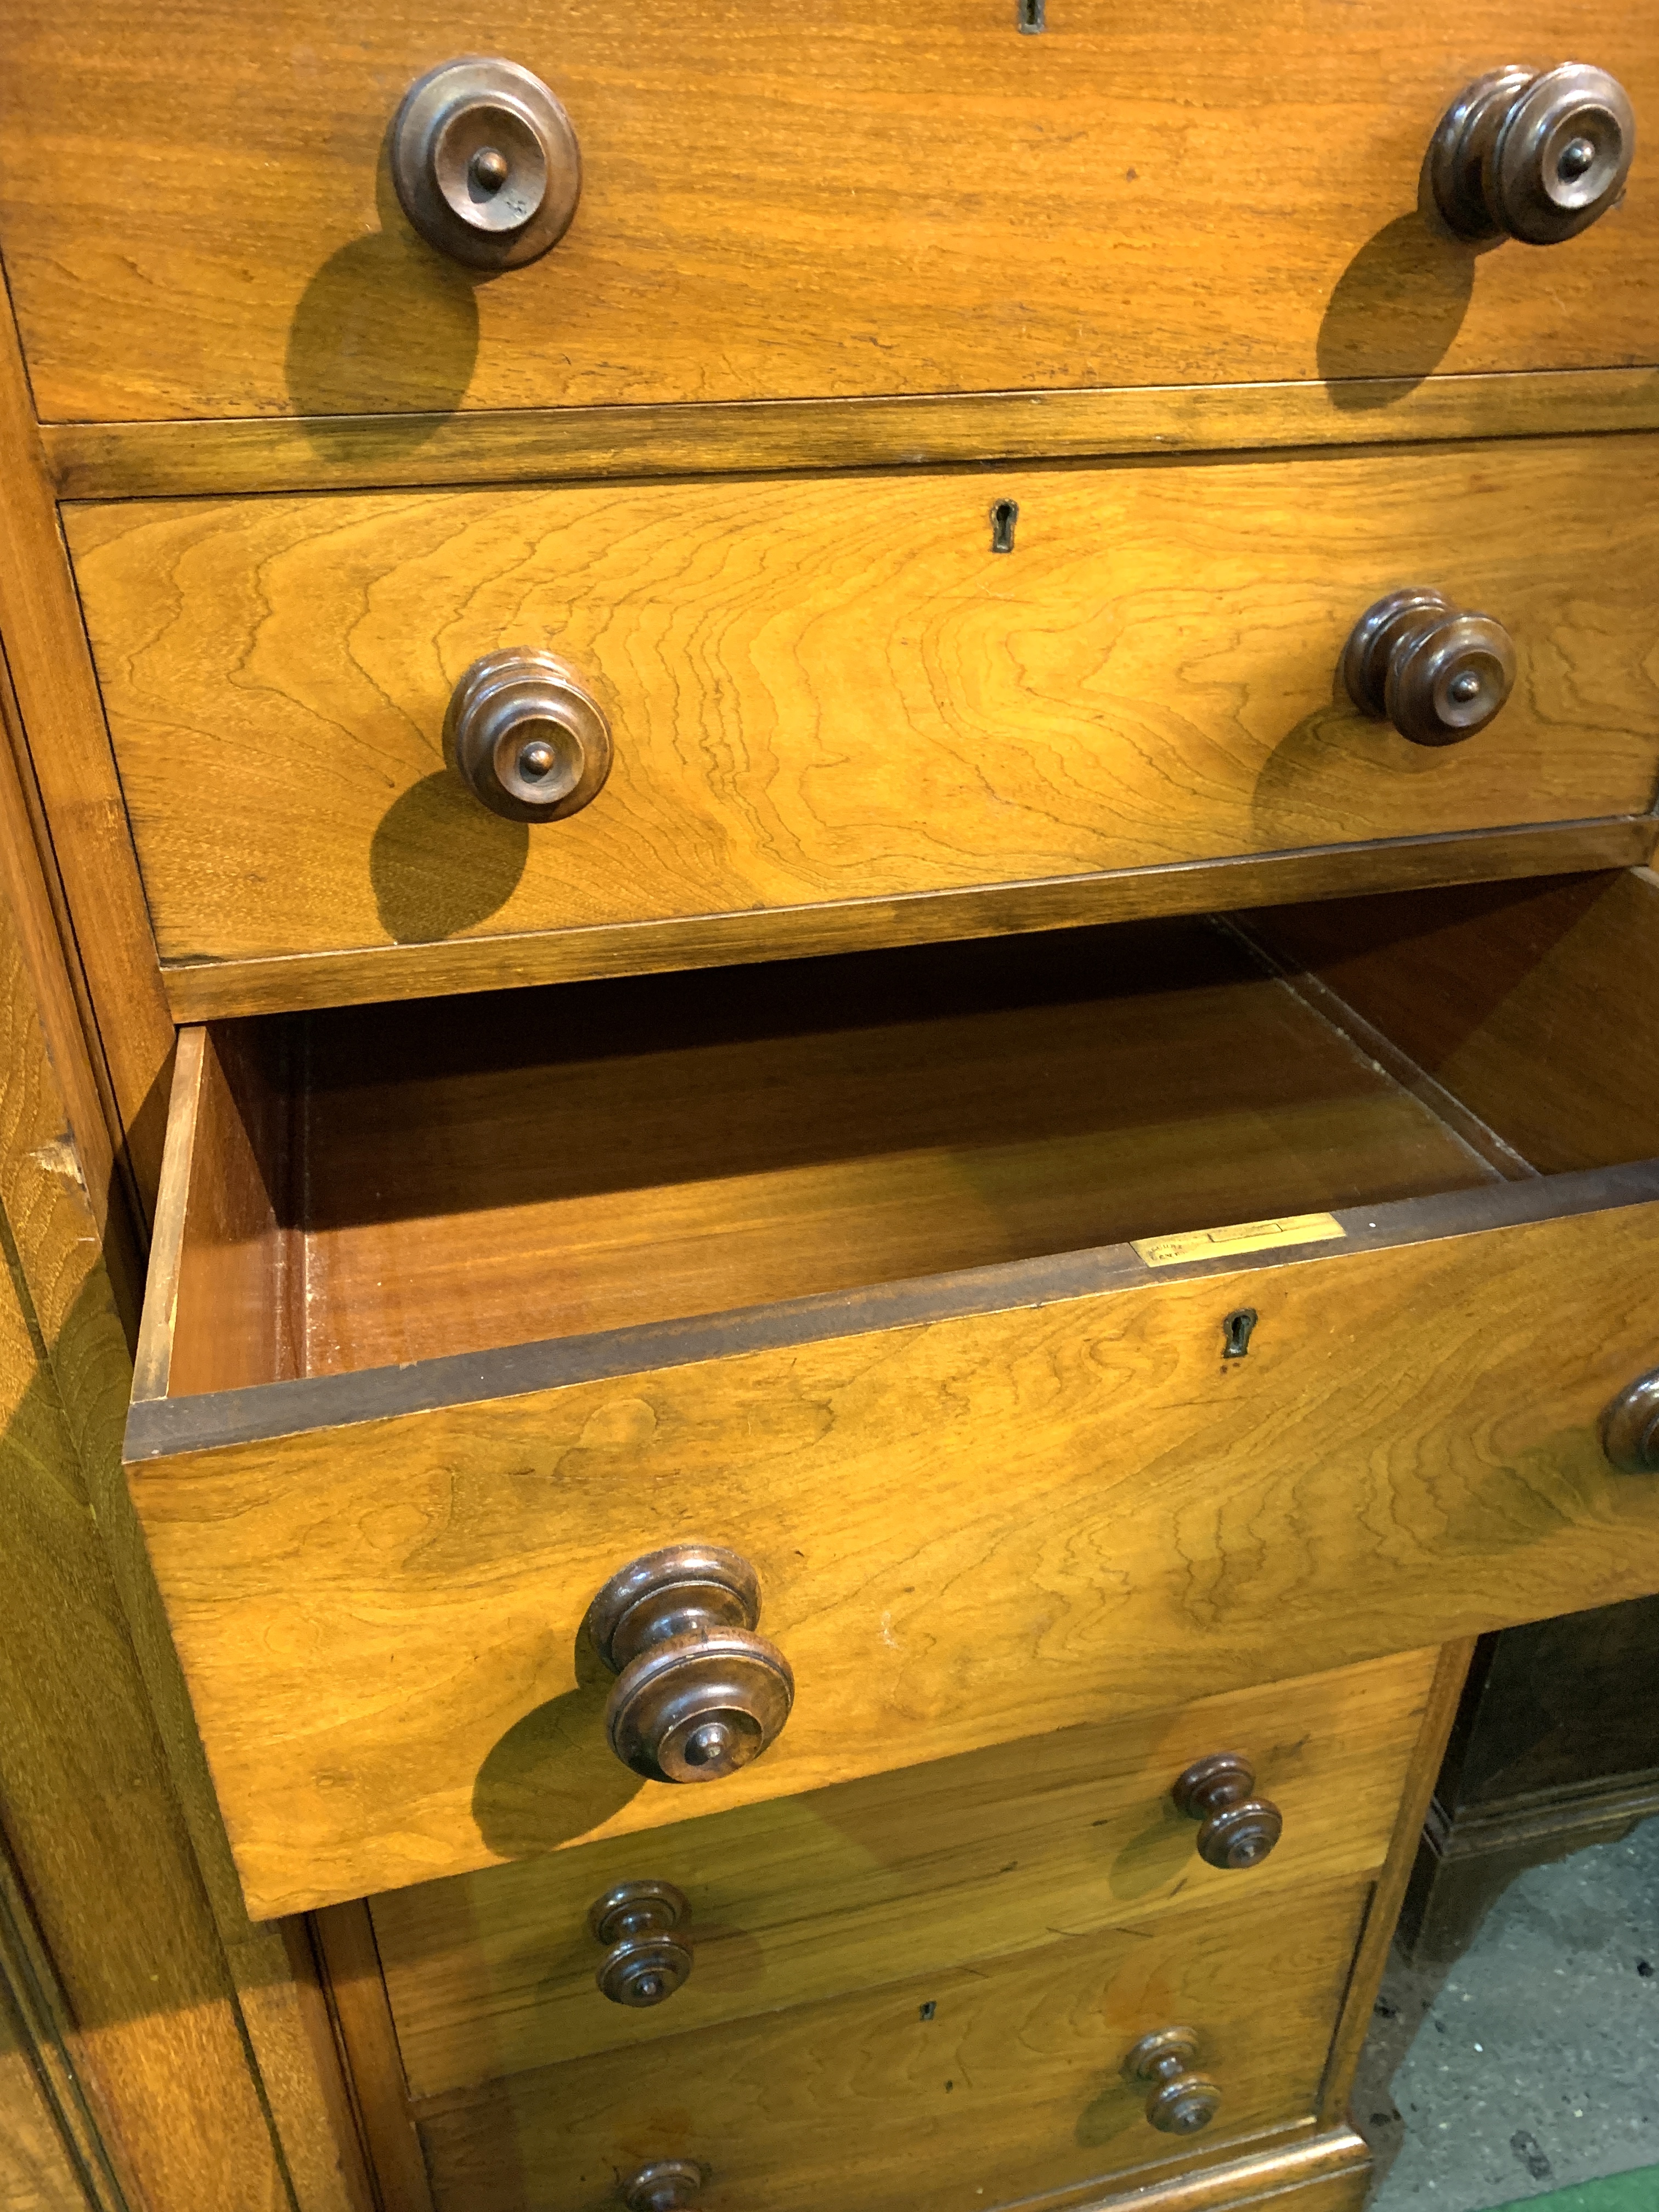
x,y
835,692
980,1508
852,1888
965,2087
845,201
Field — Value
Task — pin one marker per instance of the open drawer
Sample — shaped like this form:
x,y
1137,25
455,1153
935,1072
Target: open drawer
x,y
891,1273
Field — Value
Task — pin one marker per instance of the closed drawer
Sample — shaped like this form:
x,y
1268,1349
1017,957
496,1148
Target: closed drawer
x,y
836,714
457,1311
844,202
922,1870
959,2089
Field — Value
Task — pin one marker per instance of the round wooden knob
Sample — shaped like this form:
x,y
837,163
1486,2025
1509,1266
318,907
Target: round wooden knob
x,y
525,737
1182,2101
1239,1830
1438,676
698,1693
645,1963
1630,1426
485,162
666,2187
1537,155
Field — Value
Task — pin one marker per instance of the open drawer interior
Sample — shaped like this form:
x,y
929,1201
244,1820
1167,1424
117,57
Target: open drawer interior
x,y
356,1189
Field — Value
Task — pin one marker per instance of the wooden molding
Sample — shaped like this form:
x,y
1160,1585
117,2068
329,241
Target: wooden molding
x,y
207,990
144,459
63,716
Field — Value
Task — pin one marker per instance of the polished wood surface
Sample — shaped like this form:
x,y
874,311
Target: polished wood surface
x,y
172,2050
834,689
362,2020
1482,985
209,990
847,1888
1005,2077
1022,2049
71,776
844,201
139,460
954,1507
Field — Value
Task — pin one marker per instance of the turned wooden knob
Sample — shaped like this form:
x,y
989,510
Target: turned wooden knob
x,y
1533,154
1239,1830
525,736
1630,1426
666,2187
485,162
645,1962
698,1693
1181,2101
1438,676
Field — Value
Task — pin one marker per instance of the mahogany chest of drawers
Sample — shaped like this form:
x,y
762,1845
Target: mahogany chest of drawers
x,y
891,774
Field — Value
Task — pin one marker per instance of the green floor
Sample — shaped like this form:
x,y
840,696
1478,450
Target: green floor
x,y
1623,2192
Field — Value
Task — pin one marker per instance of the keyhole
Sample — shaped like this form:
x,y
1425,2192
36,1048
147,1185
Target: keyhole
x,y
1004,515
1238,1327
1030,16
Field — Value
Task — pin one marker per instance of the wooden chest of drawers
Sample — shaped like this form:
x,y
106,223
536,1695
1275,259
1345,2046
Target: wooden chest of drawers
x,y
895,772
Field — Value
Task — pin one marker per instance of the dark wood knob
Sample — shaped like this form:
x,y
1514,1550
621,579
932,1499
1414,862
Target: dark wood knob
x,y
525,737
485,162
1533,154
1239,1830
1438,676
1629,1427
1182,2101
666,2187
698,1693
645,1963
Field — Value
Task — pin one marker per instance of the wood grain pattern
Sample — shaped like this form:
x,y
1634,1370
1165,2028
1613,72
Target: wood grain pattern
x,y
966,1531
849,1888
1481,986
160,2016
141,461
845,200
363,2019
834,689
1003,2078
209,990
56,694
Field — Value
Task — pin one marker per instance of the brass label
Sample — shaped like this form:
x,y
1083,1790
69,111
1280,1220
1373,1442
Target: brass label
x,y
1240,1236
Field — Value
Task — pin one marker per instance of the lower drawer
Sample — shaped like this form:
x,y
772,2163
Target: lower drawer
x,y
922,1870
951,2091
